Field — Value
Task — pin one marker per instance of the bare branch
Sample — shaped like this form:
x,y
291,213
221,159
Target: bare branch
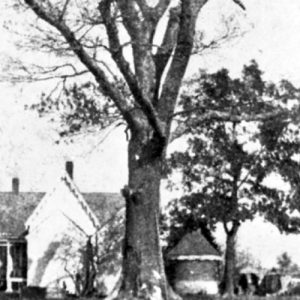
x,y
131,19
64,10
230,33
188,16
153,14
50,15
164,52
140,31
161,8
16,71
115,48
225,226
56,68
144,7
46,78
240,4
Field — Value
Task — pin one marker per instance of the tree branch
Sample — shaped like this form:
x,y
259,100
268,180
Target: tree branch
x,y
115,48
164,52
32,78
211,115
188,16
214,115
161,7
51,16
140,31
240,4
225,226
64,10
131,19
145,8
153,14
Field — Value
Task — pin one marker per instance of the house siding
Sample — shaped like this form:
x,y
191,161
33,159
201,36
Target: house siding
x,y
59,228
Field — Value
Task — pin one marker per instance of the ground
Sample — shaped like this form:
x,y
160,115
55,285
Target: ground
x,y
198,297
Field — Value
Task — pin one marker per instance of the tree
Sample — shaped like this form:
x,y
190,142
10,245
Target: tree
x,y
245,260
94,257
142,86
228,158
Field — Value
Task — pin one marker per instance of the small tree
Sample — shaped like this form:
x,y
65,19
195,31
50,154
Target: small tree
x,y
228,158
286,264
95,256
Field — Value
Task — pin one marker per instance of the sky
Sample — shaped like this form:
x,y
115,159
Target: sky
x,y
28,149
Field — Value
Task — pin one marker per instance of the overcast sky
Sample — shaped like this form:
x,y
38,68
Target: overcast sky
x,y
28,148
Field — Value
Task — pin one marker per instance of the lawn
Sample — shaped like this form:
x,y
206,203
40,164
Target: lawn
x,y
4,296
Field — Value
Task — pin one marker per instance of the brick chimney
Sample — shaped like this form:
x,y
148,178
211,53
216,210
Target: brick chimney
x,y
69,168
15,185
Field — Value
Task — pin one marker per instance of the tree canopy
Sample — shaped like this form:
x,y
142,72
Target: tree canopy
x,y
228,159
225,152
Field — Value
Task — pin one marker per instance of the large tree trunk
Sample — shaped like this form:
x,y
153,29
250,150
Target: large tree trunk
x,y
143,270
230,263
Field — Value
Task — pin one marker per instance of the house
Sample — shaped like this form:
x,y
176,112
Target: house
x,y
54,228
196,265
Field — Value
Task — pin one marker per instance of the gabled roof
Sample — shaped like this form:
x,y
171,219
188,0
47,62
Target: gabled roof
x,y
193,246
15,209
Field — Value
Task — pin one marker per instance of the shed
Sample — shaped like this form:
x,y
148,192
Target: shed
x,y
196,265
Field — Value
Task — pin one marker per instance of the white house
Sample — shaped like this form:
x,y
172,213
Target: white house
x,y
57,225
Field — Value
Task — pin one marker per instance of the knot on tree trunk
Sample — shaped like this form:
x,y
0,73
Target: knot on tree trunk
x,y
135,196
152,149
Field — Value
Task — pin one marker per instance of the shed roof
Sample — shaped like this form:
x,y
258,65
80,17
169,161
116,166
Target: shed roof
x,y
193,245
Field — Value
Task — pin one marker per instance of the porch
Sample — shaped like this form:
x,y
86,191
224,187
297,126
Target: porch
x,y
13,263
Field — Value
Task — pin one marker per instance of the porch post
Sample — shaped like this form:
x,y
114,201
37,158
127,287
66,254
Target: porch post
x,y
9,269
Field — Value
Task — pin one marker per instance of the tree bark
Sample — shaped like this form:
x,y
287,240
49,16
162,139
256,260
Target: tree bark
x,y
230,262
143,271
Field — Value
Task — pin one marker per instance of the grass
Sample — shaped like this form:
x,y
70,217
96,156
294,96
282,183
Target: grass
x,y
204,297
4,296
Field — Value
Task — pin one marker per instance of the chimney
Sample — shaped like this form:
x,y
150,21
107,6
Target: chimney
x,y
15,185
69,168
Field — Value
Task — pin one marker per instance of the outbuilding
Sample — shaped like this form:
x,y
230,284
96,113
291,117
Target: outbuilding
x,y
196,265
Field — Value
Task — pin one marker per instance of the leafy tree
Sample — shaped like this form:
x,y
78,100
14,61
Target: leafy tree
x,y
142,87
228,158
